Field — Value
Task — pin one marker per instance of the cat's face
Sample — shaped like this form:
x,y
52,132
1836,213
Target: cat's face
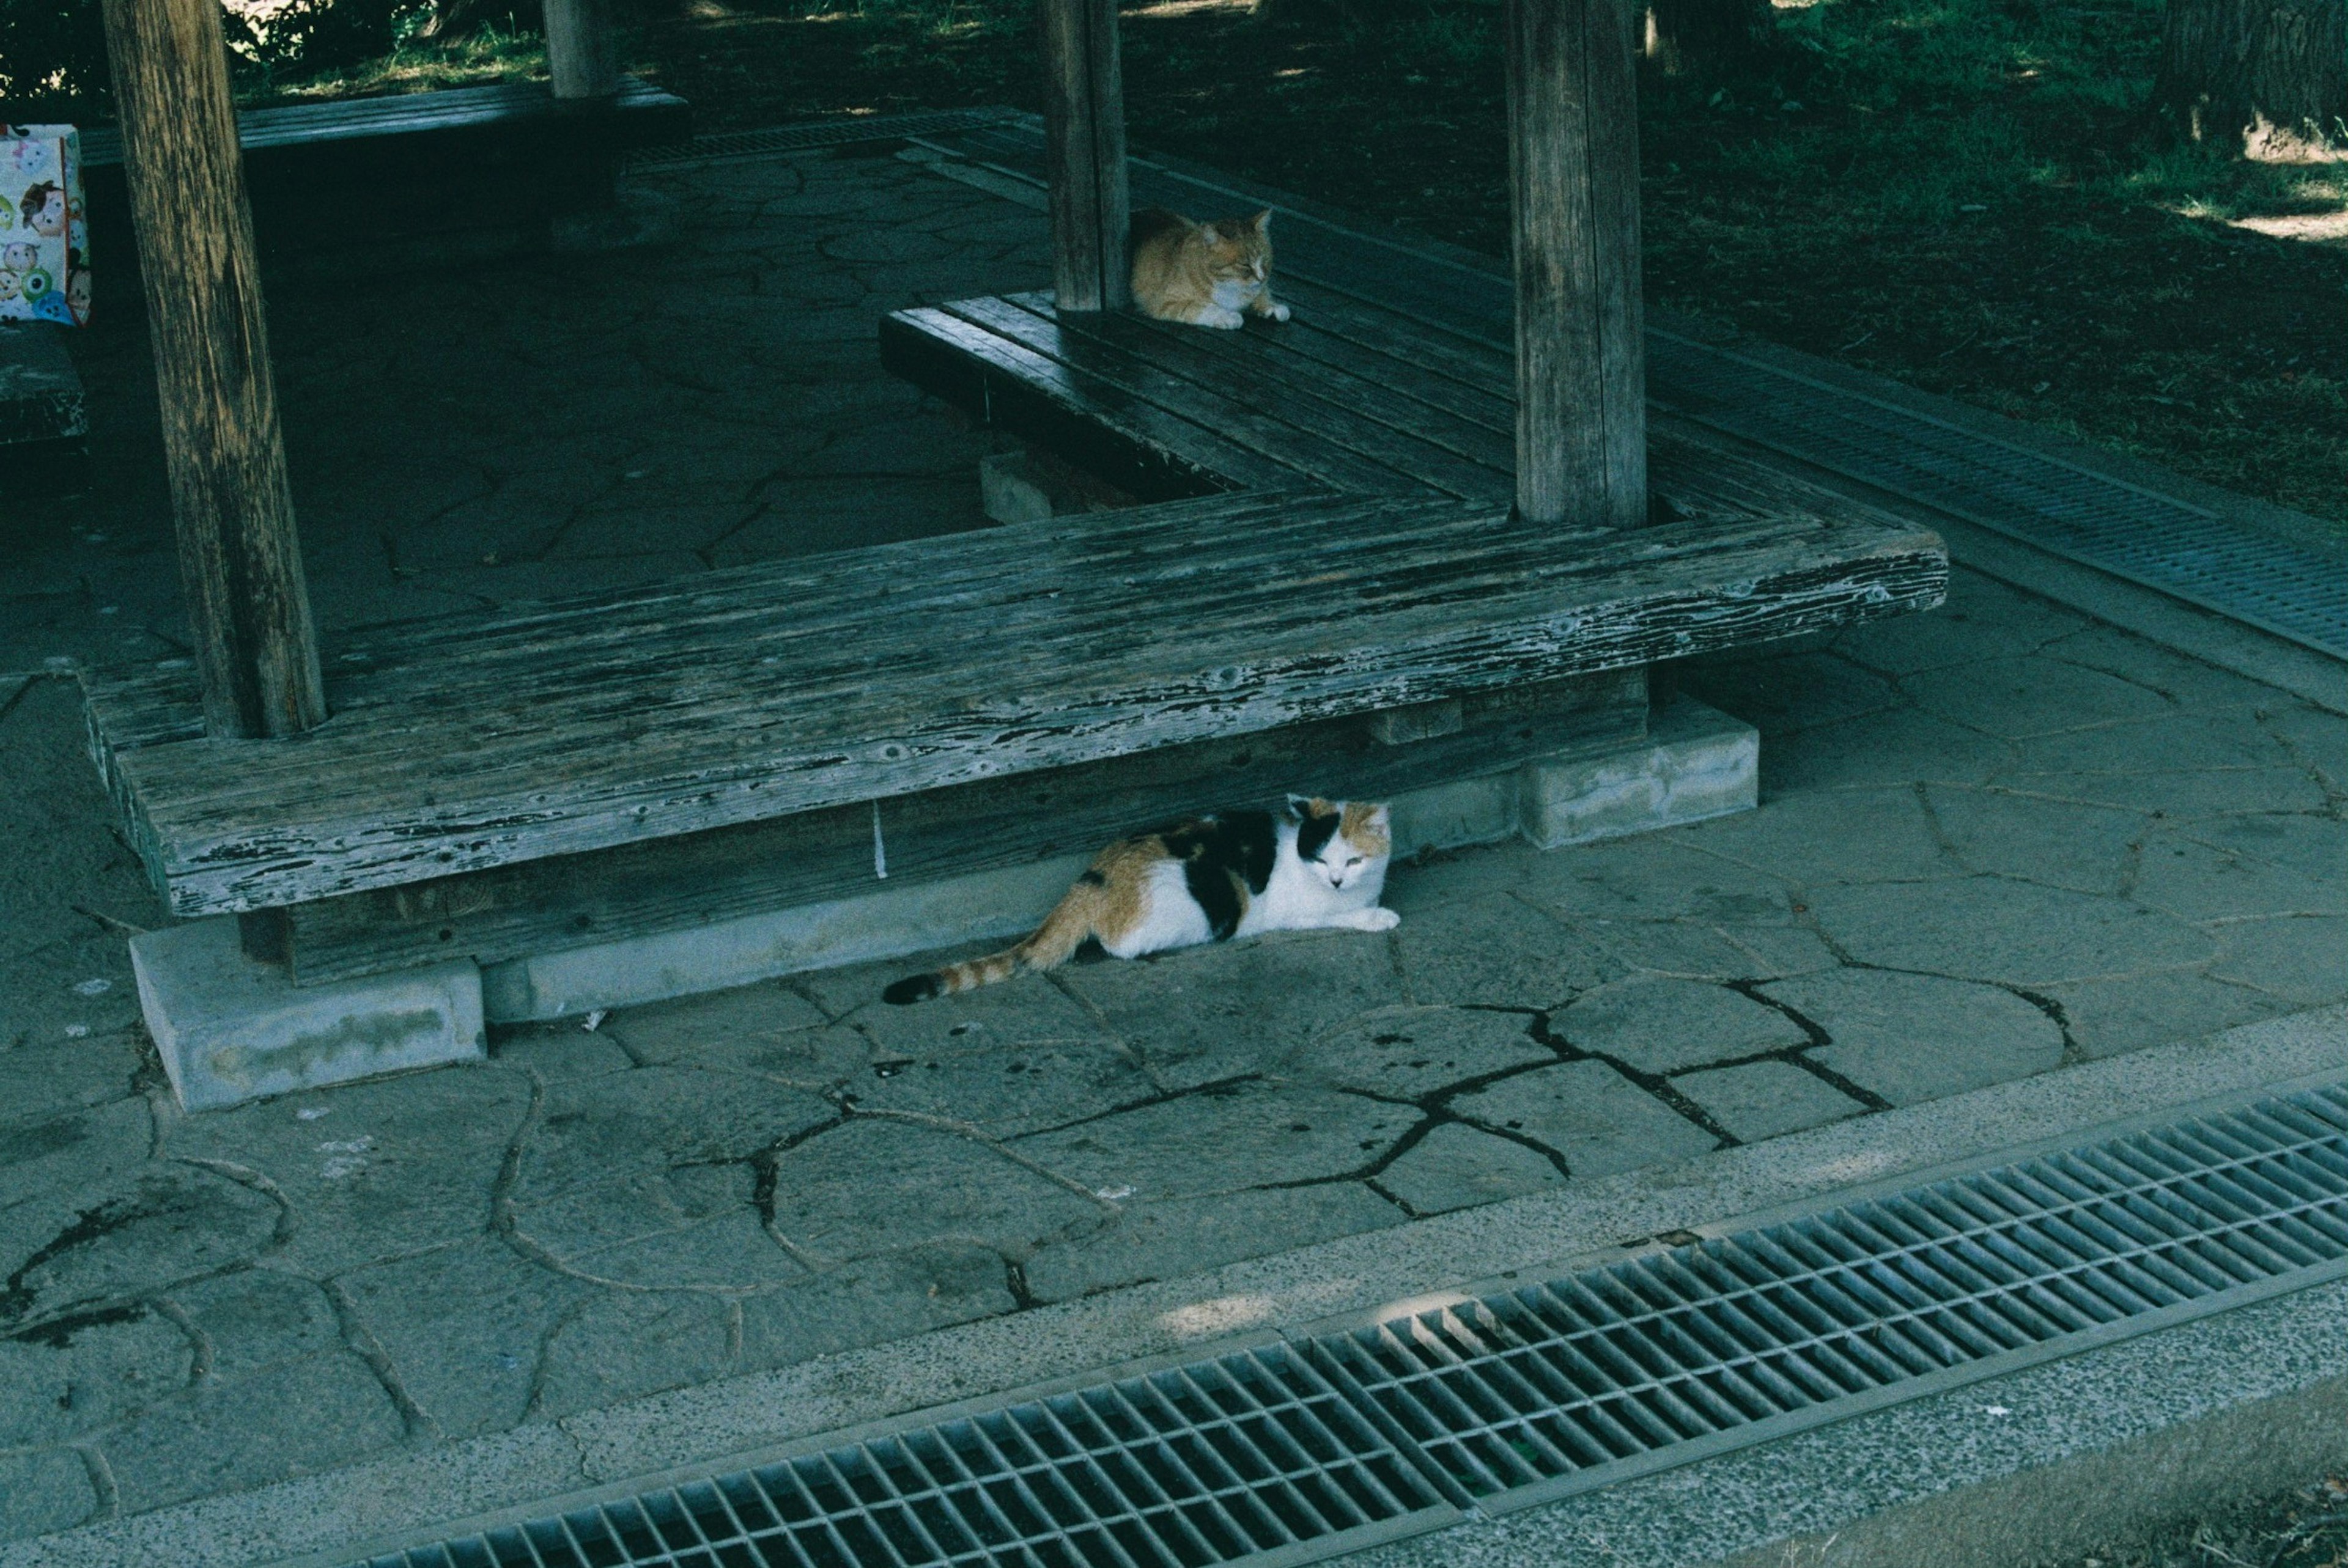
x,y
1341,842
1238,249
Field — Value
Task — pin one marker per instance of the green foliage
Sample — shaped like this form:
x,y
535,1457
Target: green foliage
x,y
52,60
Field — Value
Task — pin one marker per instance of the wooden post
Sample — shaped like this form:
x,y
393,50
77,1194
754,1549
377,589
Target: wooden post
x,y
1574,172
1084,118
579,54
239,562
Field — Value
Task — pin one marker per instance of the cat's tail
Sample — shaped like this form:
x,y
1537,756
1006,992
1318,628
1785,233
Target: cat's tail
x,y
1063,930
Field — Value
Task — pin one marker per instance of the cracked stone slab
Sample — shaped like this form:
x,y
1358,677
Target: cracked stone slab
x,y
2023,697
2013,933
1667,1025
464,1326
256,1317
72,1377
1457,1167
1497,950
700,1030
1205,1014
559,1049
656,1120
1789,692
1411,1052
1664,876
297,1419
2303,960
1019,1011
372,1170
2169,743
1904,746
1226,1139
1981,620
2088,848
873,1300
1757,1099
2248,866
1848,835
1595,1117
64,1154
2108,1017
2197,792
147,1230
1007,1089
1913,1038
1174,1238
44,1490
879,1185
41,1077
624,1344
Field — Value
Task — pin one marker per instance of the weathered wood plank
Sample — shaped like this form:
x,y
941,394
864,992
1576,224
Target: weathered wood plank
x,y
1574,183
641,113
482,739
240,560
1425,445
580,61
1133,444
681,884
1130,375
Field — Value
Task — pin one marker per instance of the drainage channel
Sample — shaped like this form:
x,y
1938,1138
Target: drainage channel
x,y
1312,1447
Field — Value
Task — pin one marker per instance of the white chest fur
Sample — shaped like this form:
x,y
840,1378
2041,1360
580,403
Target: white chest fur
x,y
1231,293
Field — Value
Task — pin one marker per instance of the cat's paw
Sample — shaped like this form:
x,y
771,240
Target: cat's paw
x,y
1220,318
1280,313
1377,919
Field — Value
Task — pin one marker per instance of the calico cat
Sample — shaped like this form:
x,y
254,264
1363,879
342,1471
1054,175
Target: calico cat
x,y
1318,864
1203,273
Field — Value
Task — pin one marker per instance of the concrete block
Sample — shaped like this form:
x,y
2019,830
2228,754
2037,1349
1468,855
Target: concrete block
x,y
1010,490
1698,762
232,1028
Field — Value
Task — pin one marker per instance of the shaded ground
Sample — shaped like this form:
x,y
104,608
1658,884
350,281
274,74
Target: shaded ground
x,y
1995,839
2304,1528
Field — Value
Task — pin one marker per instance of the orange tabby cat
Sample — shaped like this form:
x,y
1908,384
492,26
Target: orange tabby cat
x,y
1203,273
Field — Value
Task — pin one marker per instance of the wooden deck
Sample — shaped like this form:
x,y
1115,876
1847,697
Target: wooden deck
x,y
470,742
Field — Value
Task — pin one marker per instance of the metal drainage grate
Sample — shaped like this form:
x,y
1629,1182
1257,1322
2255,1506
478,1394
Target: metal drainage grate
x,y
839,132
1297,1452
2138,534
1251,1457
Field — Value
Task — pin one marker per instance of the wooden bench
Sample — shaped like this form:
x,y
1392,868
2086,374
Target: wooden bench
x,y
481,162
507,783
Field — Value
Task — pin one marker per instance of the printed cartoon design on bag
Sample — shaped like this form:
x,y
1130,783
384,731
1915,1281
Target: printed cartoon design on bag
x,y
45,272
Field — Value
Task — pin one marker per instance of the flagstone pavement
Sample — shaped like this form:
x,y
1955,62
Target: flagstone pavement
x,y
1994,840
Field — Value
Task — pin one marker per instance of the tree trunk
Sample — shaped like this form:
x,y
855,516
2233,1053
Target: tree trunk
x,y
2269,76
1703,38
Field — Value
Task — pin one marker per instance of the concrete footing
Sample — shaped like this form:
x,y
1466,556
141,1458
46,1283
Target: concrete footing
x,y
233,1028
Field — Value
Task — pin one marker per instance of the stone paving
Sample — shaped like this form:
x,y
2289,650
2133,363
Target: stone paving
x,y
1994,840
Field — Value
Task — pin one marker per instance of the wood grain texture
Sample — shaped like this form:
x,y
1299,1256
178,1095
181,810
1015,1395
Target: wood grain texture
x,y
580,60
1084,118
1573,181
481,740
682,884
239,562
641,113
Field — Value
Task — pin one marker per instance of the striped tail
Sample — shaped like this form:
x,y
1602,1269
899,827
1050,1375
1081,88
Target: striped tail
x,y
1063,930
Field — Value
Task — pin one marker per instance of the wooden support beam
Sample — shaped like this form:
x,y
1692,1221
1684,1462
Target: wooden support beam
x,y
1084,118
239,562
579,57
1573,175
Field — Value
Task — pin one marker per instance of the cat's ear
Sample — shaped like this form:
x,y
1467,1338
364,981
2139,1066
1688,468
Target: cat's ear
x,y
1300,807
1380,816
1262,221
1206,232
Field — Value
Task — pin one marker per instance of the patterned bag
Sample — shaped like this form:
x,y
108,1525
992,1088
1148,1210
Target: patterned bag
x,y
44,237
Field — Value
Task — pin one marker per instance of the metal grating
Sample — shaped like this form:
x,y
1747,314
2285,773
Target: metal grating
x,y
1569,1385
841,132
1304,1449
1251,1457
2142,534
